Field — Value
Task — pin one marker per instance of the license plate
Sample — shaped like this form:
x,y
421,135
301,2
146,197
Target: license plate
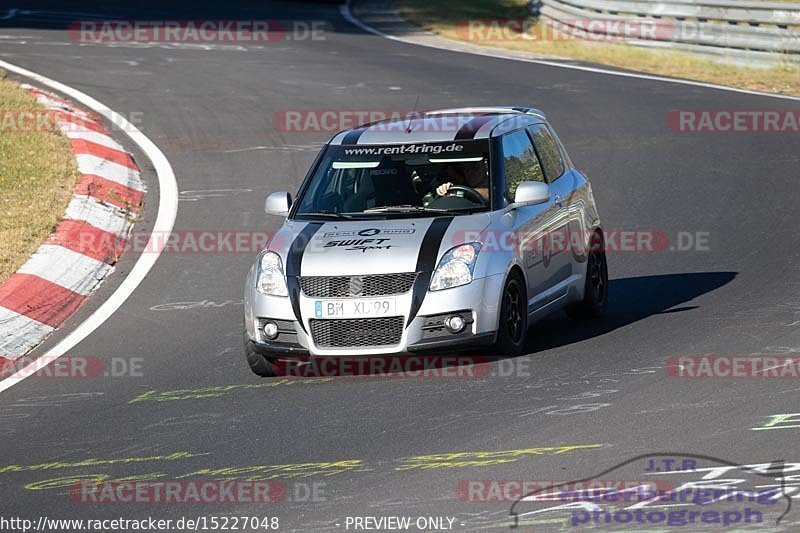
x,y
354,308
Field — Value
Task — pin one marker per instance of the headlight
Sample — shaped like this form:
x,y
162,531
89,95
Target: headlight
x,y
270,279
456,267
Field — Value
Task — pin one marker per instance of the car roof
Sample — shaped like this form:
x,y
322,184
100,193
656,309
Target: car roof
x,y
441,125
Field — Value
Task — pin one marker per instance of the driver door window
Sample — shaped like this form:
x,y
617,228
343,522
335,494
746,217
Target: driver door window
x,y
519,162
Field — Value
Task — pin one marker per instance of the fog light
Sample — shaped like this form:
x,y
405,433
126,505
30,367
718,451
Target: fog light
x,y
454,323
270,330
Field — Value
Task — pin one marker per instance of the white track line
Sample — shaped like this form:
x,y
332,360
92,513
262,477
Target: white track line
x,y
167,210
344,9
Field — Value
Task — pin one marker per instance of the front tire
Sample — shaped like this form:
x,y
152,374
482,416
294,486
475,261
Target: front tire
x,y
513,326
595,292
259,364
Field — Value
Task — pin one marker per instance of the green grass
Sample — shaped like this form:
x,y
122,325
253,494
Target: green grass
x,y
443,17
37,173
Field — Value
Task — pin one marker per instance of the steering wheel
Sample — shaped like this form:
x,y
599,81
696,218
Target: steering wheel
x,y
468,193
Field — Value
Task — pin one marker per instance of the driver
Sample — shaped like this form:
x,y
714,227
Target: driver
x,y
469,173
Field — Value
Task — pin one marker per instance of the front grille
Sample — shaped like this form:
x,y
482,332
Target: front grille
x,y
357,332
356,286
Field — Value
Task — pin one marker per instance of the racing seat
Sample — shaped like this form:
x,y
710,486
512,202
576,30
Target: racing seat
x,y
393,185
388,184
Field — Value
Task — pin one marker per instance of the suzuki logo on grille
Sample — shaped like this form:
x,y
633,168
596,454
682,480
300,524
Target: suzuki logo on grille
x,y
356,285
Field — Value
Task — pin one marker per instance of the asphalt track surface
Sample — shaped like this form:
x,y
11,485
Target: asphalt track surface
x,y
211,111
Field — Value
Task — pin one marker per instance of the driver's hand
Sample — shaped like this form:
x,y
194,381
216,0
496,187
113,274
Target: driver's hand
x,y
442,189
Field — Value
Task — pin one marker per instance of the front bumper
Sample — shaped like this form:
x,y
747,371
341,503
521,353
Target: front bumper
x,y
277,350
282,350
478,303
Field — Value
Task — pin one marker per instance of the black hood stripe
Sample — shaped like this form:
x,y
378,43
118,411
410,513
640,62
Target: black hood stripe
x,y
426,262
294,259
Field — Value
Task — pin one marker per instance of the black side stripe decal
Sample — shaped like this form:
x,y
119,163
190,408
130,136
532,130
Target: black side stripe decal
x,y
469,129
426,262
353,136
294,259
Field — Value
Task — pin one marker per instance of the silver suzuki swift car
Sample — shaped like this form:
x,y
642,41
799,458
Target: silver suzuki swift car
x,y
442,230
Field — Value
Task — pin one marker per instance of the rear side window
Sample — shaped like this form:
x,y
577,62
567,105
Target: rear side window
x,y
519,162
564,155
548,152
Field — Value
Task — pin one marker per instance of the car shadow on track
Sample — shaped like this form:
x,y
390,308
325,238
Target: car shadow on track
x,y
630,300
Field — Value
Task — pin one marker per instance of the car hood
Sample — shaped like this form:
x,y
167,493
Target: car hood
x,y
333,248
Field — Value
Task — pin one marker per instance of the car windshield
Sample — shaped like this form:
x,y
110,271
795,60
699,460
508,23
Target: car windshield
x,y
399,180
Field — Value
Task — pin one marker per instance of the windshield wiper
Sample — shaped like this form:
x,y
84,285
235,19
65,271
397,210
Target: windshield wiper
x,y
329,214
402,208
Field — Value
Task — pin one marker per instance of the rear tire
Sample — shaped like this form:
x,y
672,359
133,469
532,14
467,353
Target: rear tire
x,y
513,325
595,292
259,364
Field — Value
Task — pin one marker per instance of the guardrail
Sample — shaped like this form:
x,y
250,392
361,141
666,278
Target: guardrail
x,y
740,32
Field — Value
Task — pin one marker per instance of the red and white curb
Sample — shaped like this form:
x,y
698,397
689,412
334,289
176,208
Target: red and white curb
x,y
85,245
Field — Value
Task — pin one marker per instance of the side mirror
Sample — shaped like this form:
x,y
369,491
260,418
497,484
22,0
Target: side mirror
x,y
531,193
278,203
